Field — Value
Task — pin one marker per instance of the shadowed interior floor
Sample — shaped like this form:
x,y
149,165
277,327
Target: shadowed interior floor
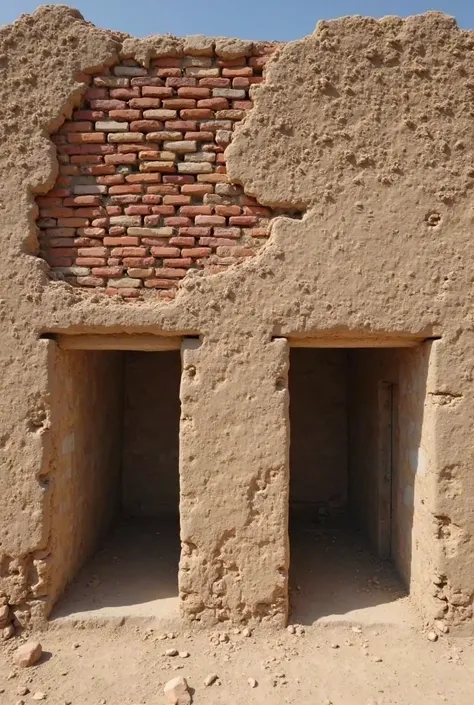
x,y
334,577
134,575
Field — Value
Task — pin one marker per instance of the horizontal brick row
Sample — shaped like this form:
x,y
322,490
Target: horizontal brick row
x,y
142,195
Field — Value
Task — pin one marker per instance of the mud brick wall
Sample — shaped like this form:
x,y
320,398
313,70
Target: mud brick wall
x,y
142,194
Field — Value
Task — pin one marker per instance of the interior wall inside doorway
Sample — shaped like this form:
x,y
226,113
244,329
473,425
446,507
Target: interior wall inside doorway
x,y
150,477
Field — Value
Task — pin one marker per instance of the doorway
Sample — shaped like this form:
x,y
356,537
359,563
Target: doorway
x,y
355,417
115,513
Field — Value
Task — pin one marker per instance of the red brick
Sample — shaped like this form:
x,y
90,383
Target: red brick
x,y
177,222
107,271
178,103
197,189
147,102
192,92
242,104
111,180
92,252
90,261
258,61
237,72
196,114
125,93
125,115
199,136
214,103
181,82
182,241
215,82
179,262
157,92
176,200
158,283
246,221
126,241
120,158
126,188
180,125
195,231
240,83
137,210
197,252
165,251
139,261
129,252
210,220
193,211
146,126
228,210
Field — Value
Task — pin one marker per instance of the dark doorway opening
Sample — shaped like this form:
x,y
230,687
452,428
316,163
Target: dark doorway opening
x,y
355,418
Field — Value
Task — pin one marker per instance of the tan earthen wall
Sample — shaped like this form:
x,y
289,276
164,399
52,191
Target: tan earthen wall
x,y
365,126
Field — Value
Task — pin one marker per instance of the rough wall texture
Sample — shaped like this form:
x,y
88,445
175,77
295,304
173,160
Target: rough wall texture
x,y
365,124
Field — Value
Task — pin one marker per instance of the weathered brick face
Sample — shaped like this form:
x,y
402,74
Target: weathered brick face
x,y
142,194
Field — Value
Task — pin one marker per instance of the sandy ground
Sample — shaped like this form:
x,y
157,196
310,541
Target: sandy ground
x,y
338,664
361,642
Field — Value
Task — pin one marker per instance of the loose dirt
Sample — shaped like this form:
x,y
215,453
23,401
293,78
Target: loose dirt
x,y
342,664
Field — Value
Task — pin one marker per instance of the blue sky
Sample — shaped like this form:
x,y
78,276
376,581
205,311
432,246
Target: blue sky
x,y
249,19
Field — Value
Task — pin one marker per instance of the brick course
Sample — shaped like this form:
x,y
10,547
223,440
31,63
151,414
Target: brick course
x,y
142,195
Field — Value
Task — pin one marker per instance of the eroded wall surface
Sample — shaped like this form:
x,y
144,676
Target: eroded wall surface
x,y
365,126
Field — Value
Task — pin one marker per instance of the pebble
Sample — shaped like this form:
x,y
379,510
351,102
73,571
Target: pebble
x,y
28,654
39,696
432,636
252,682
22,690
8,632
246,632
171,652
334,646
291,629
377,659
176,691
20,702
184,654
210,679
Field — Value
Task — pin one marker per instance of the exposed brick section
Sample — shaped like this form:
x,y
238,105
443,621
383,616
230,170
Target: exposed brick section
x,y
142,194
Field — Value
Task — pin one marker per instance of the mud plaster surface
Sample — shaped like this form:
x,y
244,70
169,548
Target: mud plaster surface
x,y
366,126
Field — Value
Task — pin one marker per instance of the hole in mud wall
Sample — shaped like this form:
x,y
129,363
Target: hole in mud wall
x,y
115,516
356,418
